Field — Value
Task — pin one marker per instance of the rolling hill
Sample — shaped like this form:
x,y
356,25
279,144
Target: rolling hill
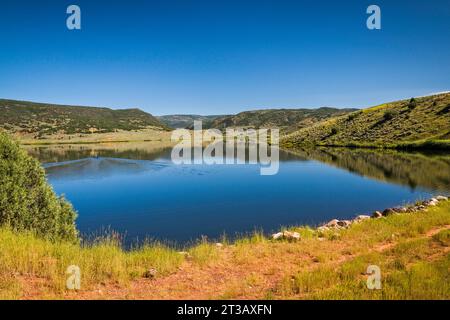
x,y
411,122
39,119
287,120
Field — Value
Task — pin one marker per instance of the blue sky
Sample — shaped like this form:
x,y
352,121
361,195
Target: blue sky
x,y
218,57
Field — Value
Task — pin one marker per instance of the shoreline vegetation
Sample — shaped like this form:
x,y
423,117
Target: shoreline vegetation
x,y
410,244
427,145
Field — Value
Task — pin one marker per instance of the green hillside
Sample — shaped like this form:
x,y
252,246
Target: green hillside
x,y
287,120
45,119
415,122
181,121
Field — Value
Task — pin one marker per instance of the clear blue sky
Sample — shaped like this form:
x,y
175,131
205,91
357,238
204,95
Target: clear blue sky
x,y
223,56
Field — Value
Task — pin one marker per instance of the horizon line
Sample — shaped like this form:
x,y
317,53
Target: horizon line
x,y
216,114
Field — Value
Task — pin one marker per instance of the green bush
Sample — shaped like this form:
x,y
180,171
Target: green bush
x,y
27,202
389,115
352,116
412,104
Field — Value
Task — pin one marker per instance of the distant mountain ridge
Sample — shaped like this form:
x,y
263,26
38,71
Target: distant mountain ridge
x,y
287,120
182,121
45,119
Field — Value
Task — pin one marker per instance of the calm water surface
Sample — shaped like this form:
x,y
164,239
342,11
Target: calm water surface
x,y
137,191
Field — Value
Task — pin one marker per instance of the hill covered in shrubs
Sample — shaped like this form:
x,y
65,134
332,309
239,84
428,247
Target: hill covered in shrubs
x,y
287,120
413,122
45,119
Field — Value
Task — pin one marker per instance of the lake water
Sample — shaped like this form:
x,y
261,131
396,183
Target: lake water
x,y
136,190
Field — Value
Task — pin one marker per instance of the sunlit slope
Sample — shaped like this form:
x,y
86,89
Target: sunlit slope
x,y
24,117
408,121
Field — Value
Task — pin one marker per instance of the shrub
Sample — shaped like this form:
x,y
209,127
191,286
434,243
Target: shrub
x,y
352,116
388,115
412,104
27,202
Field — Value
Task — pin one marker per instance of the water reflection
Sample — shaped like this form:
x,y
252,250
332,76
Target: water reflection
x,y
97,168
129,150
418,169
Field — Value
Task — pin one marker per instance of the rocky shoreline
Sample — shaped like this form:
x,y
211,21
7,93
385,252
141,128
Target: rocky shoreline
x,y
336,224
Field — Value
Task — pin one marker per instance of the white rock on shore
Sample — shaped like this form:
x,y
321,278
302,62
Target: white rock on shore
x,y
333,223
361,217
288,235
344,223
277,236
377,214
433,202
388,212
336,224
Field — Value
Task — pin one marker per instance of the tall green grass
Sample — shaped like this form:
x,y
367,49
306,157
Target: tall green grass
x,y
415,267
24,254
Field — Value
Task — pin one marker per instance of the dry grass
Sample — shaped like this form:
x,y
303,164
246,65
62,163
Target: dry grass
x,y
150,134
412,251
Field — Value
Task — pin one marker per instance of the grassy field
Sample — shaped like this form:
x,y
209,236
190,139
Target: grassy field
x,y
143,135
411,249
420,123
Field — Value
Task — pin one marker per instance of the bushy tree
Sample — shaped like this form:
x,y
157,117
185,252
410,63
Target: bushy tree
x,y
27,201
